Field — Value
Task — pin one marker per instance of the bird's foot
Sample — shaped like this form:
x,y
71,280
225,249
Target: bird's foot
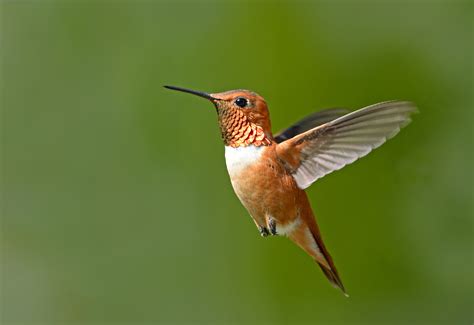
x,y
263,231
273,227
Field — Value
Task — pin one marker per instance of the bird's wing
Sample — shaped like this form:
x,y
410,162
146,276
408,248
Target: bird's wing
x,y
331,146
309,122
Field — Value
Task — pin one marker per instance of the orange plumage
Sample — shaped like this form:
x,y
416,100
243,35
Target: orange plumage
x,y
269,173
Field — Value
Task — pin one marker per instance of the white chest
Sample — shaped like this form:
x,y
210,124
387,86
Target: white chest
x,y
238,159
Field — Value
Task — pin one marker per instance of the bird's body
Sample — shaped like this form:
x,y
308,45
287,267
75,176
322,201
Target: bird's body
x,y
271,195
269,173
262,184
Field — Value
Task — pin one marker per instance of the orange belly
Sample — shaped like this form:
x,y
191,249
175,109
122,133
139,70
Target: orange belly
x,y
263,185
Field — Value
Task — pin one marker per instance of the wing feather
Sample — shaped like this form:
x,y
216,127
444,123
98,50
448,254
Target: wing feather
x,y
333,145
309,122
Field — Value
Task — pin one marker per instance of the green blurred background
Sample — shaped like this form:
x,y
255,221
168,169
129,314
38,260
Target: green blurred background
x,y
116,203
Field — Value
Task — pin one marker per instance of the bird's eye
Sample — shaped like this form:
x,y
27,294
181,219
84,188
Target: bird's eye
x,y
241,102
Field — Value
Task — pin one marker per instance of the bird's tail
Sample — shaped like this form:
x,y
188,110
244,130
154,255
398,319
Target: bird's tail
x,y
308,237
327,266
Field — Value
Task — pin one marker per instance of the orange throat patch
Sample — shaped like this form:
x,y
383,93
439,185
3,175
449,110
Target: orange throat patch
x,y
238,131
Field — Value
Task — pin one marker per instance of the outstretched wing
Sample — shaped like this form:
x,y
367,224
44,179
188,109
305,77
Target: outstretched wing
x,y
331,146
309,122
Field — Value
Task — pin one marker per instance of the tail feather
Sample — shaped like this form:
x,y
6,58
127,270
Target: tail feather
x,y
307,236
328,268
333,278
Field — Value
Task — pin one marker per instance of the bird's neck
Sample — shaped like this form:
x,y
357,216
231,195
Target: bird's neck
x,y
238,131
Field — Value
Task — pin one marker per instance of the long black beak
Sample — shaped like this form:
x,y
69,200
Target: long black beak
x,y
194,92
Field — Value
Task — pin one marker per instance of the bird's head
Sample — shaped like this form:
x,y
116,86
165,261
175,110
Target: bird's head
x,y
243,116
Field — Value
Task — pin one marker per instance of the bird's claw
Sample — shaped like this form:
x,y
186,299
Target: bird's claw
x,y
263,231
272,226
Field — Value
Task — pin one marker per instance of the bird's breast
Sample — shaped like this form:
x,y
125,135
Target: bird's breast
x,y
256,170
250,176
260,181
240,159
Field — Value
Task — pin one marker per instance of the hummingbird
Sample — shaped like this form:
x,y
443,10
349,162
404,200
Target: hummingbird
x,y
269,173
